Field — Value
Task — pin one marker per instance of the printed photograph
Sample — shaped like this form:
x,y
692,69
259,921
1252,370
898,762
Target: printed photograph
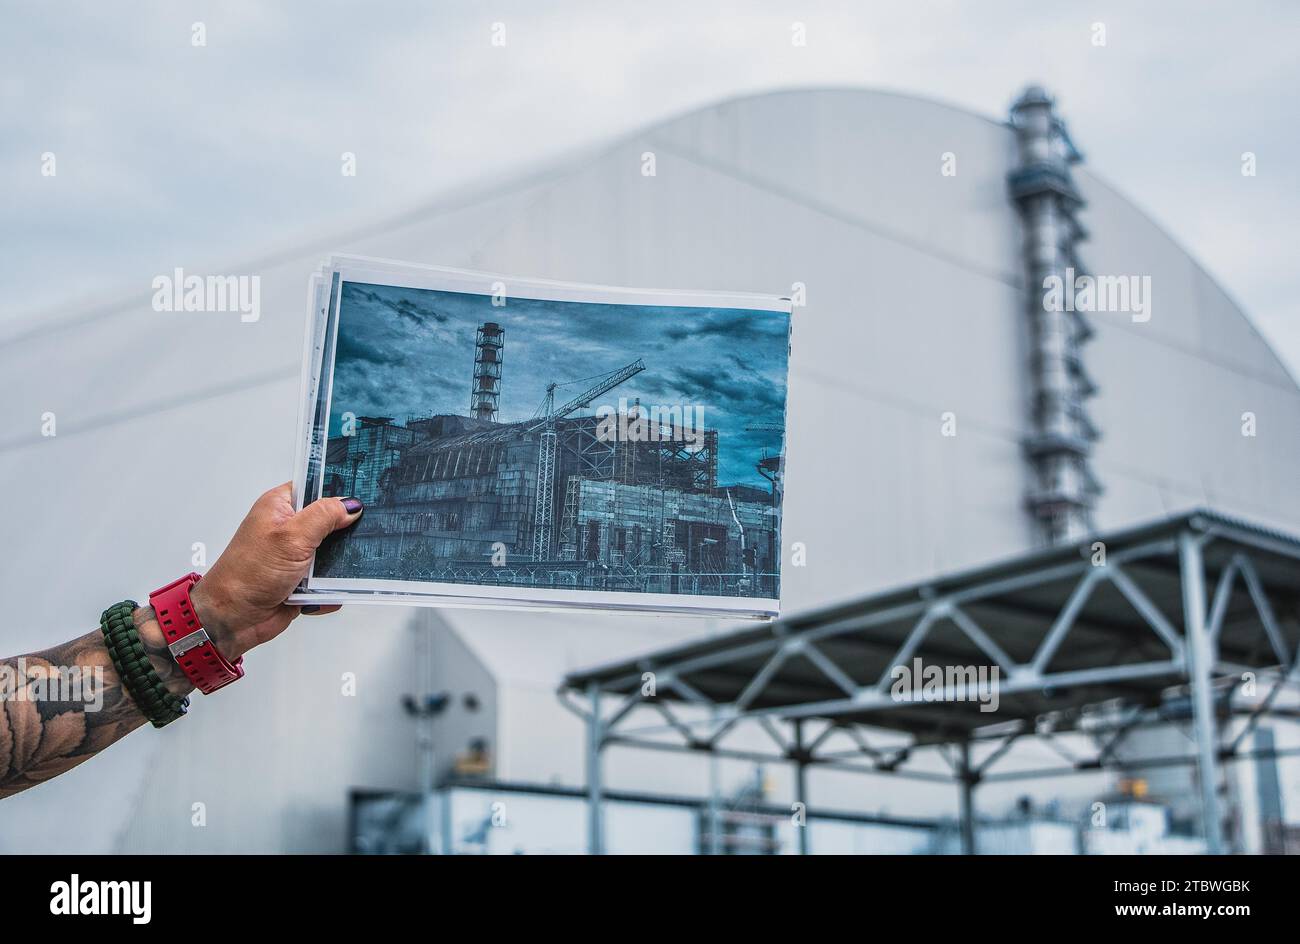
x,y
556,444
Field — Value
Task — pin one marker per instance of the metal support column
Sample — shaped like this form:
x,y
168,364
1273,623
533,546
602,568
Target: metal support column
x,y
714,846
1200,656
595,739
967,779
801,787
426,761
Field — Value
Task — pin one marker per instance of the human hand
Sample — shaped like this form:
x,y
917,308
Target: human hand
x,y
240,601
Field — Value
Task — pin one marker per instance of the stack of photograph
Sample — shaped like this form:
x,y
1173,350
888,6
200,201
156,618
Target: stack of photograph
x,y
530,443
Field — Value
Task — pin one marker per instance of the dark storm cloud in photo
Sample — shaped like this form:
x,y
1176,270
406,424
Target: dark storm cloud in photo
x,y
410,352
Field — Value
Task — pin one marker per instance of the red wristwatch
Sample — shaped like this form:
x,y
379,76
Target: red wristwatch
x,y
190,646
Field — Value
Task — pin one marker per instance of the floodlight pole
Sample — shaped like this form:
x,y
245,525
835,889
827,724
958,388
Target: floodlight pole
x,y
967,779
1200,656
595,737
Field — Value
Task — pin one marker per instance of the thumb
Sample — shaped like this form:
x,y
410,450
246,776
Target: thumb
x,y
323,517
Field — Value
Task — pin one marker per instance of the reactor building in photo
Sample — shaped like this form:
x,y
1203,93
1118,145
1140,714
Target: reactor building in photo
x,y
556,501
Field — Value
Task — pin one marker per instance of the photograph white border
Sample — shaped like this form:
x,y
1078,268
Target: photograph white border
x,y
373,271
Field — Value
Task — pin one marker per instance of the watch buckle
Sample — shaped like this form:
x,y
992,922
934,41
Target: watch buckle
x,y
186,643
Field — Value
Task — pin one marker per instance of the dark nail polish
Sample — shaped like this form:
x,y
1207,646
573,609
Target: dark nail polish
x,y
352,505
311,608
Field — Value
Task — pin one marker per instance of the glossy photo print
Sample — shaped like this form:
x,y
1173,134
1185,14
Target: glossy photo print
x,y
592,450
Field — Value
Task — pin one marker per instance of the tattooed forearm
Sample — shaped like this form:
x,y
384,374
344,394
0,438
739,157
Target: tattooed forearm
x,y
62,705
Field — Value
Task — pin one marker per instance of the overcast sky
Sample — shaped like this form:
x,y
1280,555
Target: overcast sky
x,y
404,352
166,151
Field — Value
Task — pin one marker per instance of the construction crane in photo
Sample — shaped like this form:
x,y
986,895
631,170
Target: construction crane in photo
x,y
543,515
769,465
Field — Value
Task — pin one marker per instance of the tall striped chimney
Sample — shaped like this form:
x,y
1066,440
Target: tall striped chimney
x,y
485,395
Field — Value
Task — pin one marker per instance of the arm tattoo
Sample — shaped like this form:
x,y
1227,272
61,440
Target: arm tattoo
x,y
62,705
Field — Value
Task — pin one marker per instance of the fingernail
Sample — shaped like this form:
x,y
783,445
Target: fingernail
x,y
352,505
311,608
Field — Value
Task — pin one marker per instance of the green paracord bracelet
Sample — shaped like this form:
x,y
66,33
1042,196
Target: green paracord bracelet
x,y
141,682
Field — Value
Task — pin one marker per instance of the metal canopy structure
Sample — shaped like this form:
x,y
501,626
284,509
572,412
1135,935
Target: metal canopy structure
x,y
1147,626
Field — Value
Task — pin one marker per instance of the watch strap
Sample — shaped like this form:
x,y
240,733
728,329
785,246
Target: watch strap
x,y
188,641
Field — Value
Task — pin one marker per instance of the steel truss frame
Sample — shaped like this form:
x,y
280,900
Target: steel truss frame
x,y
1191,652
